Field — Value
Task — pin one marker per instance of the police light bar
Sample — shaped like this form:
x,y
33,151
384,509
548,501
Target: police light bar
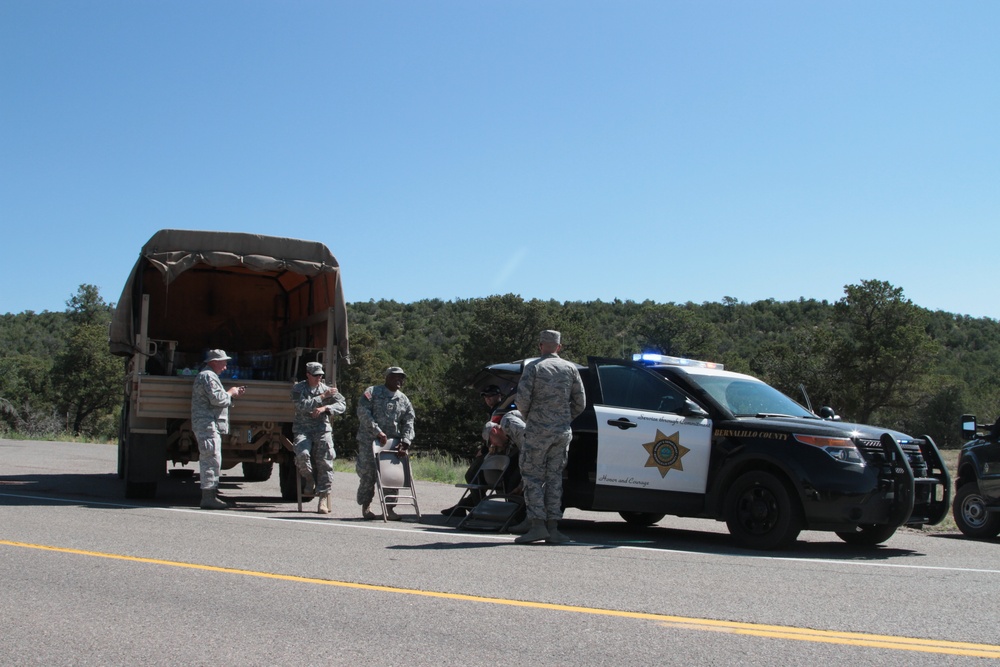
x,y
653,358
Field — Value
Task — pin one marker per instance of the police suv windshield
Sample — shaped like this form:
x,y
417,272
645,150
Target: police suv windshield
x,y
743,395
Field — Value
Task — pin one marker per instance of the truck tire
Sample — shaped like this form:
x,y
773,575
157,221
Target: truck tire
x,y
760,513
867,535
641,518
257,472
971,517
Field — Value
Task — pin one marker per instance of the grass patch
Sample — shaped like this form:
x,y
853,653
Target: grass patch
x,y
426,467
61,436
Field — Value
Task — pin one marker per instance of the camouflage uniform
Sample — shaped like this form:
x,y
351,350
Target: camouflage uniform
x,y
313,436
550,395
380,411
209,421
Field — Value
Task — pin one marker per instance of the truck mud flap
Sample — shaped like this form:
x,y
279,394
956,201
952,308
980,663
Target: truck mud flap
x,y
937,475
901,478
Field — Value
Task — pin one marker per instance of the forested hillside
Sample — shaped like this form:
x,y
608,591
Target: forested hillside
x,y
874,356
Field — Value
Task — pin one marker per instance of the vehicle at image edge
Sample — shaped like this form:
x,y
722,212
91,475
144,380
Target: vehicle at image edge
x,y
977,484
663,435
271,303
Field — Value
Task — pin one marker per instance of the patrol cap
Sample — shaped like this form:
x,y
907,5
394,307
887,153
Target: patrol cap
x,y
314,368
549,336
394,370
491,390
217,355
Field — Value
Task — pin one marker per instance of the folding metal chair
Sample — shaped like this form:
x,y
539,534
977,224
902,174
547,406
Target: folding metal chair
x,y
484,482
494,512
497,509
393,472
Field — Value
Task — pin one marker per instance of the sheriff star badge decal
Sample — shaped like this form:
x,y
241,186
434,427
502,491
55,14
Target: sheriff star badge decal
x,y
665,453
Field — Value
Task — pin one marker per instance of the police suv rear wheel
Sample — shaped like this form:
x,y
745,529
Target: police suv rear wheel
x,y
760,513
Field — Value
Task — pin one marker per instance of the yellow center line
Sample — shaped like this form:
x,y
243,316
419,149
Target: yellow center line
x,y
666,620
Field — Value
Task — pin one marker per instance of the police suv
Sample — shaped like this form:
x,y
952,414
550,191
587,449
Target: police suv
x,y
663,435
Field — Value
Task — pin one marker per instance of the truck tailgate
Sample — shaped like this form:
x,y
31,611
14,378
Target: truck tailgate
x,y
165,397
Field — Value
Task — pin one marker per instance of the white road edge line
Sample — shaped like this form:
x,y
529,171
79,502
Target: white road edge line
x,y
436,530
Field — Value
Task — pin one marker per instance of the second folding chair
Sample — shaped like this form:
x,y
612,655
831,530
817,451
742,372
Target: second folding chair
x,y
393,472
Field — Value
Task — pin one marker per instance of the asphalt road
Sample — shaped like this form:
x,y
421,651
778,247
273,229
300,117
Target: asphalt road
x,y
90,578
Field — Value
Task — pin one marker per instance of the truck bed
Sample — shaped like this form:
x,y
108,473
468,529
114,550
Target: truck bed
x,y
169,397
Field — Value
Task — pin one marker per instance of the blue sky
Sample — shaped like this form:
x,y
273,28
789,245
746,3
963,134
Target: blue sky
x,y
672,151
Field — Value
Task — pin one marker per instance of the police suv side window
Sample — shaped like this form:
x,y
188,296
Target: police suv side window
x,y
630,387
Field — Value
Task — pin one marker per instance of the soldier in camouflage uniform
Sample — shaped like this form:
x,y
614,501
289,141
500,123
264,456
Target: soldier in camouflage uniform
x,y
550,395
314,403
210,403
384,412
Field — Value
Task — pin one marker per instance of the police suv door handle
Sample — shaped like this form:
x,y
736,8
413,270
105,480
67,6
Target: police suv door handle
x,y
622,422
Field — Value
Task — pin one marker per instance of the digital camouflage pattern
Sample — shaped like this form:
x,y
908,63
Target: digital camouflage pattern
x,y
209,421
313,445
550,396
379,411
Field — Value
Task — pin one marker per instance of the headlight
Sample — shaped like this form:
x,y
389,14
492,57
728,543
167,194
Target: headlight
x,y
841,449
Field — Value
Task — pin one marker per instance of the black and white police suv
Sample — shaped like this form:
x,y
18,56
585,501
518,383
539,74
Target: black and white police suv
x,y
663,435
977,488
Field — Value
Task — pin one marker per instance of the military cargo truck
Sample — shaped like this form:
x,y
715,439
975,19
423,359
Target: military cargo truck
x,y
273,304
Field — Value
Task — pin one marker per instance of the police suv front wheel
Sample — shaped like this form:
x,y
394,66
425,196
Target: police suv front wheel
x,y
760,512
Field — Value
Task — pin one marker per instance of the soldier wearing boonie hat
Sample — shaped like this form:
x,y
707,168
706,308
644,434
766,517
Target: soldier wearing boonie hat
x,y
315,402
210,403
384,412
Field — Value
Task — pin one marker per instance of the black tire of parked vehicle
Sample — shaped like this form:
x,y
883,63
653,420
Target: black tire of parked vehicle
x,y
971,517
641,518
867,535
760,512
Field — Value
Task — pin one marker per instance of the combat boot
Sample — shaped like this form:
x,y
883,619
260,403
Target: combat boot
x,y
390,514
536,533
555,537
366,513
210,500
521,528
324,504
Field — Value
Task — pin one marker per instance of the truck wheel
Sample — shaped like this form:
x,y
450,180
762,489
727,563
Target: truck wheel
x,y
257,472
971,517
867,535
760,513
641,518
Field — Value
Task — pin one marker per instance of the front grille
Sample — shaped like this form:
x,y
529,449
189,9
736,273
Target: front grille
x,y
873,452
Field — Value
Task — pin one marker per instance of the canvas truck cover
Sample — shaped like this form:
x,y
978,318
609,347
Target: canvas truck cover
x,y
293,278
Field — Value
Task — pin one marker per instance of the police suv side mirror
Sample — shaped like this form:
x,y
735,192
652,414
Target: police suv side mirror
x,y
692,409
969,427
826,412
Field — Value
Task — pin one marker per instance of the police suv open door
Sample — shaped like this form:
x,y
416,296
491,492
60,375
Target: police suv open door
x,y
650,435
